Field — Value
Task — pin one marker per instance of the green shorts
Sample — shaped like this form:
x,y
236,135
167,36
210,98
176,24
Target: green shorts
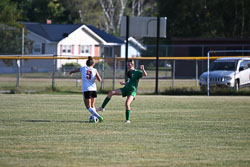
x,y
127,92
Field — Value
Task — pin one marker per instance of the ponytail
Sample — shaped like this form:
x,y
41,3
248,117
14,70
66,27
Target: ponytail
x,y
90,61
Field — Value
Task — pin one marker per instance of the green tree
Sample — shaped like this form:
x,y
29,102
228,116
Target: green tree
x,y
68,11
61,11
102,14
10,30
9,14
206,18
142,8
39,11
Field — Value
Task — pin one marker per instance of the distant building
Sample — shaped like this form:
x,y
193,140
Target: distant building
x,y
134,49
87,41
72,40
44,40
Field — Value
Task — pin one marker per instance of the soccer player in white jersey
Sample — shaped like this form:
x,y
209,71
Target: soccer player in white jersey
x,y
89,75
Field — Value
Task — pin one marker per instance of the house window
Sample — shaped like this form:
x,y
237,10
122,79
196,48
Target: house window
x,y
37,49
29,47
85,49
108,51
66,48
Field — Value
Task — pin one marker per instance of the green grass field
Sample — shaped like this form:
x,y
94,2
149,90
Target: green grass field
x,y
69,85
195,131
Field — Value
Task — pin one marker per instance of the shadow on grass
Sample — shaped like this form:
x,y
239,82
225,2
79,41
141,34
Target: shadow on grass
x,y
51,121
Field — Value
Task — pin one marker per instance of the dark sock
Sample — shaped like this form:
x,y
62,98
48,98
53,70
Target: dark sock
x,y
127,114
105,102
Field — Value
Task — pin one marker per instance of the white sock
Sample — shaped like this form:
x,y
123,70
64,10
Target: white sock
x,y
93,112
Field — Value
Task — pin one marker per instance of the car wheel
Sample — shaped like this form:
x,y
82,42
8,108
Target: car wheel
x,y
236,85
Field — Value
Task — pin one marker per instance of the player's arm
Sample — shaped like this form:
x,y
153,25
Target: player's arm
x,y
122,83
98,77
143,70
74,71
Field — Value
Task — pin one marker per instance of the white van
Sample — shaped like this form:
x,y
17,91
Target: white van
x,y
228,72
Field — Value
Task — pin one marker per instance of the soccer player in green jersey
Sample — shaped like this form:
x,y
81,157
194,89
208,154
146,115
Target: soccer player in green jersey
x,y
129,90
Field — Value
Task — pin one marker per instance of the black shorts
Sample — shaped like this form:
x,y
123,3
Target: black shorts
x,y
90,94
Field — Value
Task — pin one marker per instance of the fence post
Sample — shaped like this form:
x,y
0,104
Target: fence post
x,y
196,69
208,75
22,61
114,72
157,55
76,75
102,83
126,48
137,63
53,73
18,73
173,74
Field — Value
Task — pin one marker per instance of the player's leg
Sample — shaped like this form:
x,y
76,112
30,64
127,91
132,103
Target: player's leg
x,y
92,104
91,110
114,92
87,102
128,109
107,99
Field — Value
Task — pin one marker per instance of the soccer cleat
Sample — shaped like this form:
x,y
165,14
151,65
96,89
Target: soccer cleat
x,y
100,119
96,120
127,121
100,109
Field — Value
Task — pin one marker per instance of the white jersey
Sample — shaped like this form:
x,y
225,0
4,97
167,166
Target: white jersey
x,y
88,78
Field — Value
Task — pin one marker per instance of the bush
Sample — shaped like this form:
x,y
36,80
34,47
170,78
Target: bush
x,y
71,65
213,92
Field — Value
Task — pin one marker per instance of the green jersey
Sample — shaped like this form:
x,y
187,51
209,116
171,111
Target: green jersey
x,y
132,81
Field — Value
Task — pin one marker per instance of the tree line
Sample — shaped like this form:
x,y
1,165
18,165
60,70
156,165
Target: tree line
x,y
194,18
207,18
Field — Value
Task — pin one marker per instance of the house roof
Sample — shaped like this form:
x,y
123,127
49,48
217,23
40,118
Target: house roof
x,y
137,44
105,36
52,32
56,32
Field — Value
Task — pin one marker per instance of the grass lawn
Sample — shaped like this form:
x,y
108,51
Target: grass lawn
x,y
195,131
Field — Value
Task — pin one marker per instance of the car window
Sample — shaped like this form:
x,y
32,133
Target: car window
x,y
242,65
248,63
223,65
245,62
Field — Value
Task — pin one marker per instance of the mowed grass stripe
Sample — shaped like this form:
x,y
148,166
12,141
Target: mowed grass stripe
x,y
53,130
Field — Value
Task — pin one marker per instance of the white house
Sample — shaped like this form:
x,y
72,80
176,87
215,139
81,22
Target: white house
x,y
87,41
72,40
44,40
